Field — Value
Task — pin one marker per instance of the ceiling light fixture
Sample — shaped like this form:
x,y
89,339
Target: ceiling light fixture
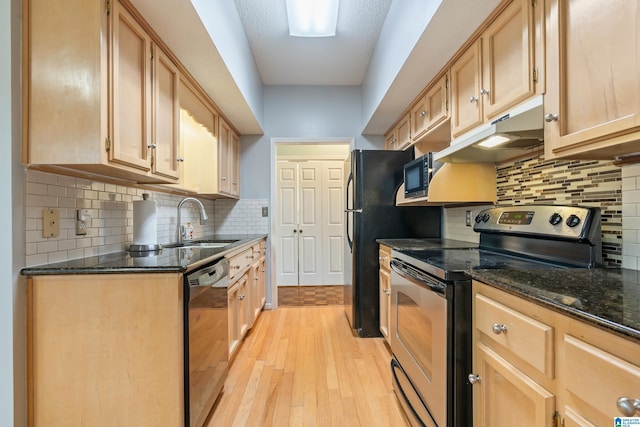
x,y
312,18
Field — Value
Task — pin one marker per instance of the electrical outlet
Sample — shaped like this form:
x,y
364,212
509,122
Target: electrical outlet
x,y
265,211
82,216
50,223
468,218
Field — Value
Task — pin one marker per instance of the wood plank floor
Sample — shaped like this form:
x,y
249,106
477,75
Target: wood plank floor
x,y
301,366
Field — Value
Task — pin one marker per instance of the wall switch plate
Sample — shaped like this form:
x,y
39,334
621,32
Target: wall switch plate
x,y
265,211
468,218
50,223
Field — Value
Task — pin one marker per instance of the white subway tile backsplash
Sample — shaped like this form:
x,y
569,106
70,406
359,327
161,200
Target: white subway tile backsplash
x,y
111,217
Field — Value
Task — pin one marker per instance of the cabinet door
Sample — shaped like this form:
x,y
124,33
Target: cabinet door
x,y
593,89
508,59
385,302
437,102
466,108
505,397
166,116
131,81
419,118
224,141
403,132
234,164
390,140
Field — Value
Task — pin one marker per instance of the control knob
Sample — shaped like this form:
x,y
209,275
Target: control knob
x,y
555,219
573,220
478,219
485,217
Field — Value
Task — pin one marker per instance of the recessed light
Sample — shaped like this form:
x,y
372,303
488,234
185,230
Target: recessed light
x,y
312,18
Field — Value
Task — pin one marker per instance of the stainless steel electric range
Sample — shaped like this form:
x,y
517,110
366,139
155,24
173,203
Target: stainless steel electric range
x,y
431,299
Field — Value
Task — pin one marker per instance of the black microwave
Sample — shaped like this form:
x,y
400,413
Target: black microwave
x,y
417,175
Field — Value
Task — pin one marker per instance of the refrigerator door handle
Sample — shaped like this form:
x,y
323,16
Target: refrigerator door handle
x,y
353,210
349,209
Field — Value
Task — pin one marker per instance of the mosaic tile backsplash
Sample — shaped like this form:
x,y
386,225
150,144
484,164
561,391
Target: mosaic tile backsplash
x,y
536,181
110,208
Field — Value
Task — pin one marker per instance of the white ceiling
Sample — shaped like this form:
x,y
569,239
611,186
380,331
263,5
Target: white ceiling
x,y
392,49
285,60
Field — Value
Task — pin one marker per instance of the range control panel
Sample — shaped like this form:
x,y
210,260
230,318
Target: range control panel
x,y
573,222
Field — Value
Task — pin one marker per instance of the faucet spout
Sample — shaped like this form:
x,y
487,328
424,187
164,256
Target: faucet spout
x,y
203,215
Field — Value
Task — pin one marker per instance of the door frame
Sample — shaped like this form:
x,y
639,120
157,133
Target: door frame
x,y
350,141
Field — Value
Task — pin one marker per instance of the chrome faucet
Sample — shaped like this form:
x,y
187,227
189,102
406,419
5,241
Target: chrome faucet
x,y
203,216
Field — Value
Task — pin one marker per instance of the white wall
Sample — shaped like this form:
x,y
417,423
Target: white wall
x,y
12,295
301,112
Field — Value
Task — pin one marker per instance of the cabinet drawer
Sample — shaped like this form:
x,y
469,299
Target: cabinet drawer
x,y
599,378
527,338
240,262
384,256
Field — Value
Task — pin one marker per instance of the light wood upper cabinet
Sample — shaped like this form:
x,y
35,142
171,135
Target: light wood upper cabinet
x,y
501,69
592,104
512,61
466,80
399,137
229,160
430,109
96,98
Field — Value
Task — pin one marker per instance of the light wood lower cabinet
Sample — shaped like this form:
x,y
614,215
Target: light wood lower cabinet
x,y
105,350
247,291
385,291
531,363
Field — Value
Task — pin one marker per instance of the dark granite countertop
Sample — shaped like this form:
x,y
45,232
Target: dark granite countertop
x,y
606,298
167,260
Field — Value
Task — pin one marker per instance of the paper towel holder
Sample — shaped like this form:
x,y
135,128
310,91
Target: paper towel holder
x,y
139,250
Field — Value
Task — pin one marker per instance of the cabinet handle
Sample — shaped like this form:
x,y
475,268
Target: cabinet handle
x,y
484,92
550,117
498,329
151,145
180,159
224,178
627,406
473,379
382,258
235,267
249,256
386,291
473,99
241,297
423,113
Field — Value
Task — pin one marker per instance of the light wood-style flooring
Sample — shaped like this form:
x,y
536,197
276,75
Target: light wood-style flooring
x,y
301,366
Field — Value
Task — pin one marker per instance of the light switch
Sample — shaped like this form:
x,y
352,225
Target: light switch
x,y
50,223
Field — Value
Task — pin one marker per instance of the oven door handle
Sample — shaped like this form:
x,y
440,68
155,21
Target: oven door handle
x,y
417,276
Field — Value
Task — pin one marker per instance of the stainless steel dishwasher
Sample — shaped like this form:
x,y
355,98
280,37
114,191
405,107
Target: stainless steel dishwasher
x,y
205,351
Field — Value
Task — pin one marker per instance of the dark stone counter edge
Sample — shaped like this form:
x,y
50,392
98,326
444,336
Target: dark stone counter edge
x,y
621,330
73,267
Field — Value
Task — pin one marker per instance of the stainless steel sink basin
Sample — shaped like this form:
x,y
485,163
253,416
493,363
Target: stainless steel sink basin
x,y
202,244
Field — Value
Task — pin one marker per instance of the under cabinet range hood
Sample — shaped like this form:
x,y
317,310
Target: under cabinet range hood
x,y
516,133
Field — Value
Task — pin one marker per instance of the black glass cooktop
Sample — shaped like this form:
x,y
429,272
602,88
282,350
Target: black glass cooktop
x,y
451,264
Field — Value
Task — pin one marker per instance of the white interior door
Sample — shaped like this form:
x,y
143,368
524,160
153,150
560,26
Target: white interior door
x,y
287,220
310,228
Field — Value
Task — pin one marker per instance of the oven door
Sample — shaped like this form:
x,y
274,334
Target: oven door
x,y
419,335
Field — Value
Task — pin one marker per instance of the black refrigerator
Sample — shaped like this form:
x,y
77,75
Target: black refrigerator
x,y
372,179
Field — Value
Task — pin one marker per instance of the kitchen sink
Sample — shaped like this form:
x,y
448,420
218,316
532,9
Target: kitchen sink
x,y
202,244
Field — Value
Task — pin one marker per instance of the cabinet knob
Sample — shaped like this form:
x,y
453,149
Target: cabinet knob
x,y
241,297
550,117
484,92
151,145
473,379
473,99
180,159
386,291
382,258
627,406
423,113
224,178
498,329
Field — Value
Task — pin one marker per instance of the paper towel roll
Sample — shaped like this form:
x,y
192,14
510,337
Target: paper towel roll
x,y
145,224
